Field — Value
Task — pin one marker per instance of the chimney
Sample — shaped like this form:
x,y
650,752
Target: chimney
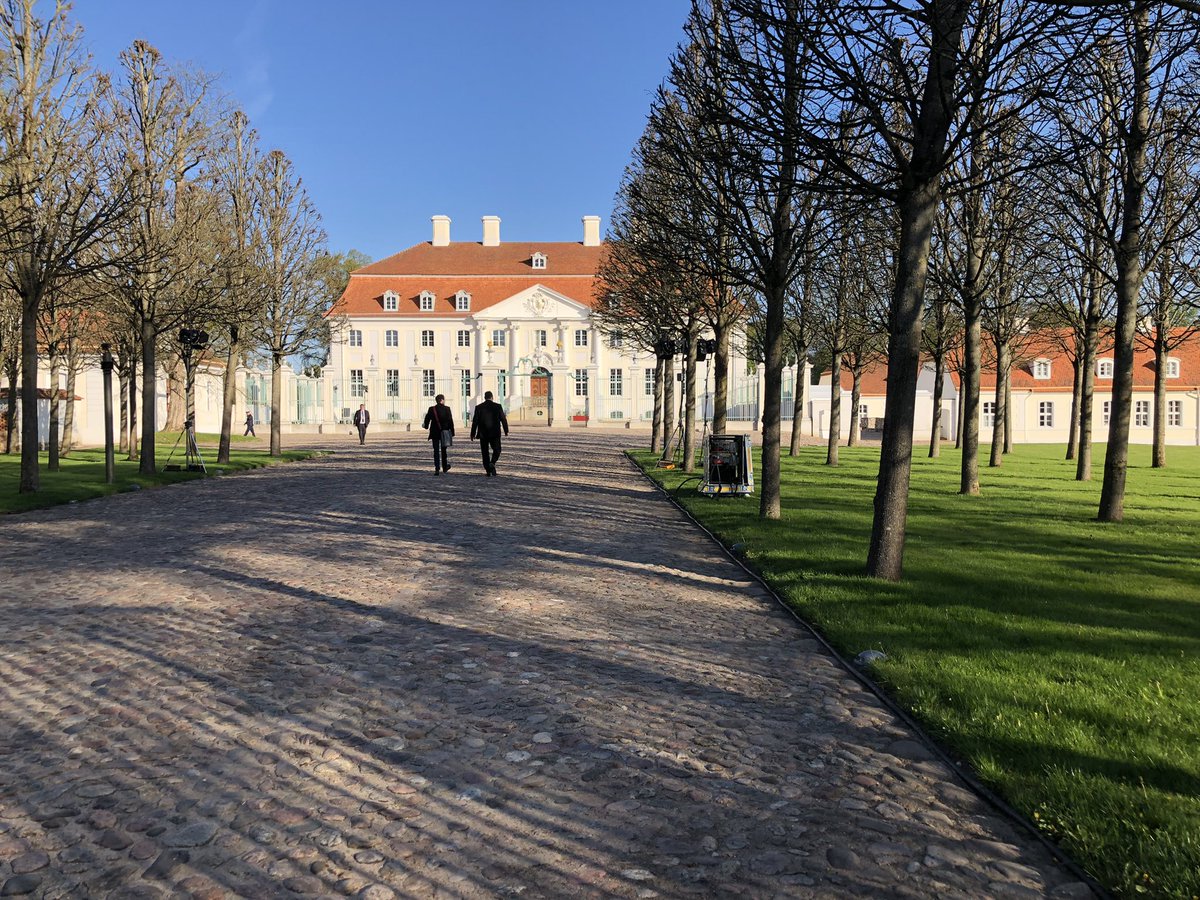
x,y
441,231
491,231
591,231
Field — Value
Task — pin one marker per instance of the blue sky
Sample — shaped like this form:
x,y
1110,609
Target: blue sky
x,y
396,111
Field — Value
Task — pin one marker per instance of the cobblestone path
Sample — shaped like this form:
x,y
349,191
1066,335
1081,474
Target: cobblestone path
x,y
348,677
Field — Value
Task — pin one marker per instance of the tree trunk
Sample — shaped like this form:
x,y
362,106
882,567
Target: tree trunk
x,y
276,404
798,398
228,396
1087,386
959,422
67,443
149,335
1000,420
855,398
12,432
835,409
935,432
52,435
30,477
656,429
176,375
1159,449
721,380
770,501
669,408
1008,407
1076,396
1128,259
133,407
689,407
123,394
918,206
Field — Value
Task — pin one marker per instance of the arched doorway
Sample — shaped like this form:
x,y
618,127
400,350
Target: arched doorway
x,y
539,395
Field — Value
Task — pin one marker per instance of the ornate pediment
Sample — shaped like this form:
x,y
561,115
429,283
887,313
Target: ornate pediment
x,y
536,303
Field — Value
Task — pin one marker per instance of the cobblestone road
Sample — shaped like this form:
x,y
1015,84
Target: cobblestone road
x,y
348,677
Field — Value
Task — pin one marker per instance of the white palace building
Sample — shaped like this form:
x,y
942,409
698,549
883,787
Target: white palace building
x,y
515,318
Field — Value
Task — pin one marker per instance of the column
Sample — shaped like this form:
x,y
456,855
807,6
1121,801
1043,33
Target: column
x,y
513,355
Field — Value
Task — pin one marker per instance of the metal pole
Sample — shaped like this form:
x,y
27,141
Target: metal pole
x,y
106,363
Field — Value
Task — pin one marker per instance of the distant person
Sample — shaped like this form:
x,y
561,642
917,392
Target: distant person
x,y
249,425
440,422
485,426
362,419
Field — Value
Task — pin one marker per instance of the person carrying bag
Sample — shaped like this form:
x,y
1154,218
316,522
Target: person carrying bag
x,y
440,422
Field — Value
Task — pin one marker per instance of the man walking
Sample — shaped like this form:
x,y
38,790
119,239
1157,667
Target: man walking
x,y
440,422
485,426
249,425
362,419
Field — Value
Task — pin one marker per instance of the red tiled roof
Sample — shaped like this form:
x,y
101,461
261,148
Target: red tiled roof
x,y
489,274
512,258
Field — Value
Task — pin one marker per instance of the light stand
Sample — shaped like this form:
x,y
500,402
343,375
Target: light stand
x,y
190,340
106,364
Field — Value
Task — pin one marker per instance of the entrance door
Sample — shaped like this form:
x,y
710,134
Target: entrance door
x,y
539,396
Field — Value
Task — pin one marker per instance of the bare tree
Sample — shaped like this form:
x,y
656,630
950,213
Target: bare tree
x,y
57,192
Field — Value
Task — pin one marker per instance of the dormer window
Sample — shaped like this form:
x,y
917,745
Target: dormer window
x,y
1172,368
462,301
1104,368
426,301
391,301
539,260
1041,369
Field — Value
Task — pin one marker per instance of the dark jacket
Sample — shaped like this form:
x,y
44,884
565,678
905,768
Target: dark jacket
x,y
437,420
362,417
487,421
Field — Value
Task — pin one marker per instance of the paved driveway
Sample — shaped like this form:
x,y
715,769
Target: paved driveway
x,y
348,677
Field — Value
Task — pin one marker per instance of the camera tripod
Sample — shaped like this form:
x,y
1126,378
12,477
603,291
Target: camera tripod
x,y
192,460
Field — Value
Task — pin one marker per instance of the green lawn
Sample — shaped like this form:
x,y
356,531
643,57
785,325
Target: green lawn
x,y
81,476
1058,655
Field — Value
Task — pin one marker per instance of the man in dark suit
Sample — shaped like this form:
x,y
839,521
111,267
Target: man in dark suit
x,y
486,423
362,419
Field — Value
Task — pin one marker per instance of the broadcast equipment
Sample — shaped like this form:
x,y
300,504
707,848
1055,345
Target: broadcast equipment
x,y
728,468
190,340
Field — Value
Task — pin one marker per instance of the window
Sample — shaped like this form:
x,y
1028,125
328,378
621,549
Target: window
x,y
466,382
1174,413
355,337
989,413
393,382
502,384
1041,369
428,383
539,338
649,382
581,382
357,386
581,339
426,299
391,301
1172,368
462,301
427,337
538,261
499,337
1046,414
1105,411
1141,414
616,384
392,337
616,340
1104,368
464,337
863,416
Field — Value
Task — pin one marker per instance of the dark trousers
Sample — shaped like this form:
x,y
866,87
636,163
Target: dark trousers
x,y
493,445
441,458
249,431
362,434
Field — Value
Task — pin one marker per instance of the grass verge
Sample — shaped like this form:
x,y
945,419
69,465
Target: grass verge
x,y
81,476
1057,655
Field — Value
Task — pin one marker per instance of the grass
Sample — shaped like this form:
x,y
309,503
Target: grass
x,y
1058,656
81,476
